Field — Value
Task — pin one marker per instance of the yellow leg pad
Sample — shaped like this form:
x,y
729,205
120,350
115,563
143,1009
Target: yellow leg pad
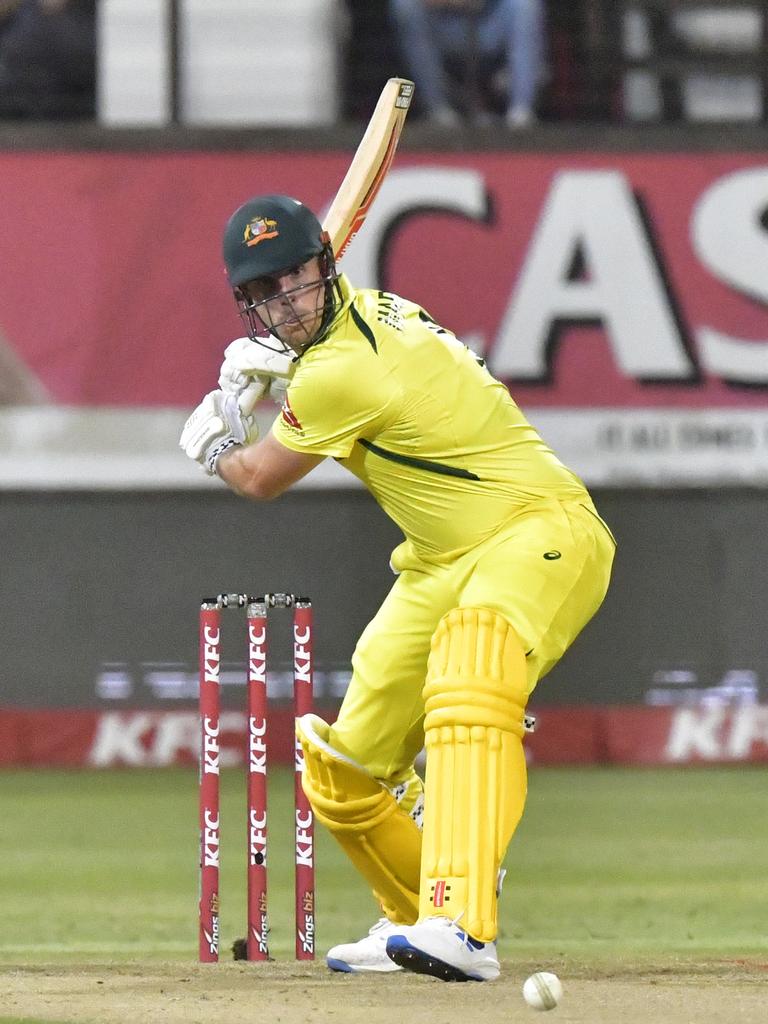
x,y
475,788
381,839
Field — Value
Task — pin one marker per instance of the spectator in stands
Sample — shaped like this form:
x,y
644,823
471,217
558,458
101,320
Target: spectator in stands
x,y
474,32
48,59
8,9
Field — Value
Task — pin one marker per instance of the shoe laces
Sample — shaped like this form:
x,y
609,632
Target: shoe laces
x,y
441,919
383,922
447,922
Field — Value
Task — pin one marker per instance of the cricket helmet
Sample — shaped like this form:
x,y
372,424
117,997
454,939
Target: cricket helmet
x,y
269,234
266,237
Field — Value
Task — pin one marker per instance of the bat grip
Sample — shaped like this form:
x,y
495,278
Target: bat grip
x,y
250,396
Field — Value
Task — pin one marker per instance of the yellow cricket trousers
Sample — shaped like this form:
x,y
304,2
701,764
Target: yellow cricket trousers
x,y
547,571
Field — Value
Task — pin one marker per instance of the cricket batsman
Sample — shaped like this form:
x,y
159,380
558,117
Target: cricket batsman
x,y
504,560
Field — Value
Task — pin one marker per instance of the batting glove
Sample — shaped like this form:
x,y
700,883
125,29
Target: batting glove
x,y
246,364
216,425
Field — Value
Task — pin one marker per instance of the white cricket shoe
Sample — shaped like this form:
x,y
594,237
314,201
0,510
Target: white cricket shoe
x,y
368,954
437,946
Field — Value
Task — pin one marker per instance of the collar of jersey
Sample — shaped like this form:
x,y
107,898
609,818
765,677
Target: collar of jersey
x,y
347,297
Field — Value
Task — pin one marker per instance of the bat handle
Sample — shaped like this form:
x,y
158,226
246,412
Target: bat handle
x,y
249,397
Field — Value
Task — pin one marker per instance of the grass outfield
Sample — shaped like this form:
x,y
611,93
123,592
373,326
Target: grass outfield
x,y
608,866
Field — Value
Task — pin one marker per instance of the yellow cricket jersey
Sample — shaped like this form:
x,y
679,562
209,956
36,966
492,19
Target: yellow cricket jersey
x,y
408,409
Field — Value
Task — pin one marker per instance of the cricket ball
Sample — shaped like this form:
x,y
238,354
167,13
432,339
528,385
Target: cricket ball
x,y
543,990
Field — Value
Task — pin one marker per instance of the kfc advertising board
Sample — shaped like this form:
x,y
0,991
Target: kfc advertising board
x,y
565,736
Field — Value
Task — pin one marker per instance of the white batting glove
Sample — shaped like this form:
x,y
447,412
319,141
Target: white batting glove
x,y
246,362
216,425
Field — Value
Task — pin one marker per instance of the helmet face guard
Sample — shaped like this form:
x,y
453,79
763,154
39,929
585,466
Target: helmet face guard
x,y
264,309
264,239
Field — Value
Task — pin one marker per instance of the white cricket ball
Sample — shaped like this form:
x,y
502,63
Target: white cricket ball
x,y
543,990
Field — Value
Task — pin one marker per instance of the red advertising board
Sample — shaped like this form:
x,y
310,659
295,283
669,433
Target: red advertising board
x,y
113,291
622,292
563,736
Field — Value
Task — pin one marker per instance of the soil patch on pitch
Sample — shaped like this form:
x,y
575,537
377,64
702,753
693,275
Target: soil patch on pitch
x,y
672,992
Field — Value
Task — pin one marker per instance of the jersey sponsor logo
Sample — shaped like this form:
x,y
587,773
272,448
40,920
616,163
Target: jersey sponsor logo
x,y
259,230
289,417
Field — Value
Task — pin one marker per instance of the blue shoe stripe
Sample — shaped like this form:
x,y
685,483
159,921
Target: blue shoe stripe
x,y
472,943
339,965
397,942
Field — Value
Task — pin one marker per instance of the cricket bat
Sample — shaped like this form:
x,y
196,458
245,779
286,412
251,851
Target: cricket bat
x,y
373,158
369,166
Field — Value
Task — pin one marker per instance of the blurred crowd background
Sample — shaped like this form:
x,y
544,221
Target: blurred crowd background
x,y
479,62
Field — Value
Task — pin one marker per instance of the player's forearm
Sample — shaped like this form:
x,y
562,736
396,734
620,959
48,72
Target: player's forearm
x,y
222,438
241,470
264,470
